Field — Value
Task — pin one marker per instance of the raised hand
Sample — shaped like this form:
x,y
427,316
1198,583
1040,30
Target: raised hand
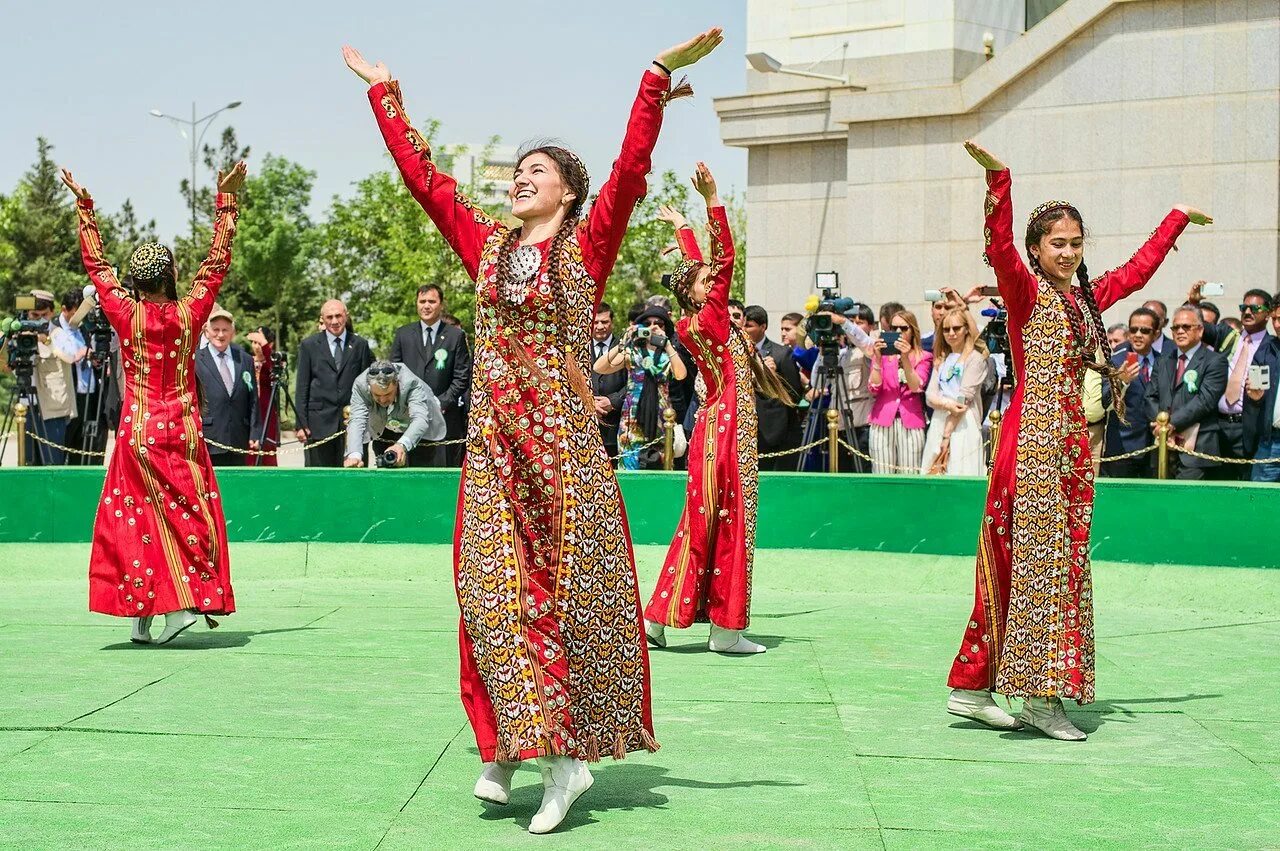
x,y
706,185
1197,217
681,55
983,157
371,74
233,181
670,214
76,189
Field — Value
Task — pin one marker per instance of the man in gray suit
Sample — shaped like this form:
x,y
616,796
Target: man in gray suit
x,y
397,410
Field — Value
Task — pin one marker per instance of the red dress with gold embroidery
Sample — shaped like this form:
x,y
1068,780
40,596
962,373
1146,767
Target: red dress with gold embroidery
x,y
159,540
1031,632
707,572
553,656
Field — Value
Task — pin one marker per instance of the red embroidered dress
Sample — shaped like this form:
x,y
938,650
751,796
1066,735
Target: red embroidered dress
x,y
707,572
272,435
159,540
553,659
1031,632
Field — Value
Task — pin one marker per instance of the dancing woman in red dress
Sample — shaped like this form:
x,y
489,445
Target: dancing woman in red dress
x,y
554,666
707,572
159,540
1031,632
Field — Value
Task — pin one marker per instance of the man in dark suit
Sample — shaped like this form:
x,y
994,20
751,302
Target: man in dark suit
x,y
607,389
1188,386
779,426
1262,406
437,352
328,363
1137,366
229,393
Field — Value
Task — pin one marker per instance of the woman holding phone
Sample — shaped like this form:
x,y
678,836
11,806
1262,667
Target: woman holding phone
x,y
899,373
1031,631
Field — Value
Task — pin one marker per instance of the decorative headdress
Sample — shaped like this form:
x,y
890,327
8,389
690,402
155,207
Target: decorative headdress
x,y
148,261
1049,207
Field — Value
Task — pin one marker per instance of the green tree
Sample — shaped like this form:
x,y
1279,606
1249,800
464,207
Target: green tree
x,y
190,253
122,232
39,246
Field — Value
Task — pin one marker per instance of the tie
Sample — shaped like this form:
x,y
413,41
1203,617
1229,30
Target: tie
x,y
1146,369
1235,385
599,350
1182,367
337,352
224,366
427,338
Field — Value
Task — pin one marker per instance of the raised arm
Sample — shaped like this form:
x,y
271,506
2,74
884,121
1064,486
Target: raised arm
x,y
116,303
1017,284
1133,276
213,271
607,222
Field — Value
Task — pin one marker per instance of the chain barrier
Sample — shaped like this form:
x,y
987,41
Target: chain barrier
x,y
1207,457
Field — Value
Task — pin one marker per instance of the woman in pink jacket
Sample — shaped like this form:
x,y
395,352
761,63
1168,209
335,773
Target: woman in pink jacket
x,y
899,374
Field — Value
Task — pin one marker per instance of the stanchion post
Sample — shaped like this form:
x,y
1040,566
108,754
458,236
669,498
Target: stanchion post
x,y
995,438
833,441
1162,445
668,439
20,416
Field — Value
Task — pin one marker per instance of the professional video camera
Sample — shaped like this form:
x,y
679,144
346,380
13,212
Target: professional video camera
x,y
996,334
822,331
21,336
279,365
385,459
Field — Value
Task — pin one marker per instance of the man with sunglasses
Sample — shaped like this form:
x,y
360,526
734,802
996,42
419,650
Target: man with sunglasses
x,y
1255,308
1262,406
396,410
1188,386
1137,365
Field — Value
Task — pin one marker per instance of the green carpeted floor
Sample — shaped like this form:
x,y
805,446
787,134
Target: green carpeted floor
x,y
325,714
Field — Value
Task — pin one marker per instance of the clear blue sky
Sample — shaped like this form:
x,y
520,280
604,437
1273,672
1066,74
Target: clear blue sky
x,y
87,76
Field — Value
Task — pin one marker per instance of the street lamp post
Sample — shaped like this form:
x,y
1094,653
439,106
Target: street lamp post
x,y
194,123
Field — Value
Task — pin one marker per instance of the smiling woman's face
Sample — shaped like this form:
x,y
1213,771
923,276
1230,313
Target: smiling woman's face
x,y
538,190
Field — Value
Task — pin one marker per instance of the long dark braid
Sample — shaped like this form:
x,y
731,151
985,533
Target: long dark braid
x,y
1109,372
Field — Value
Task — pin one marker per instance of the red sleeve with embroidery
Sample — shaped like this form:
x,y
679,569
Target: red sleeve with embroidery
x,y
607,222
1017,284
1133,276
464,226
114,300
688,243
714,315
213,271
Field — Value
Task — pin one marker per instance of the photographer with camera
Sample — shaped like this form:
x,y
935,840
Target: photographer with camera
x,y
849,325
396,410
42,355
647,353
87,338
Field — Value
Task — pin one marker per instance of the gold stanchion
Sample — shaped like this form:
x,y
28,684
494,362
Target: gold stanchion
x,y
1162,445
995,436
20,415
833,441
668,439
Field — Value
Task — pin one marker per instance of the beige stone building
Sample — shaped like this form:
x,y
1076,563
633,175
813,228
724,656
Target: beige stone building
x,y
1124,107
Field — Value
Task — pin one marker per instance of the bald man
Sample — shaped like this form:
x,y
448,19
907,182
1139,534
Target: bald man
x,y
328,363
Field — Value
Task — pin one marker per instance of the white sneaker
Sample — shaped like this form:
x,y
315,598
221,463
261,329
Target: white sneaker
x,y
655,634
175,623
564,779
1047,715
494,784
141,633
980,706
732,641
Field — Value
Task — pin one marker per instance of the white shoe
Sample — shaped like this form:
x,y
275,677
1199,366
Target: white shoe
x,y
732,641
494,784
564,779
141,633
655,634
175,623
980,706
1047,715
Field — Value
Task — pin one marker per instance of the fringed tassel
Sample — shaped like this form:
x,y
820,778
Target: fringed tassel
x,y
650,743
591,751
681,89
503,753
210,622
619,746
669,249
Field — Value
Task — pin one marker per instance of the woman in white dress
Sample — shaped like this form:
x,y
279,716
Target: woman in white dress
x,y
953,445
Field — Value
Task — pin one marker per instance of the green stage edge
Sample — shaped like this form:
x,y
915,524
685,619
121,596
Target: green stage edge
x,y
1145,522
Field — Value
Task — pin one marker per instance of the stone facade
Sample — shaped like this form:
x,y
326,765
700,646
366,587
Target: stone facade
x,y
1124,107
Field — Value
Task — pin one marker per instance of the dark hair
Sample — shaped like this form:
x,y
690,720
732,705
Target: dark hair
x,y
1233,323
450,319
1208,305
757,314
1262,294
1036,230
1164,311
43,304
793,318
889,308
635,310
1150,314
603,307
435,288
864,312
73,298
166,282
267,334
733,302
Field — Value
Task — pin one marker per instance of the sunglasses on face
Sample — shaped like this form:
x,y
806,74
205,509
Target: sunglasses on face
x,y
375,371
1185,327
1138,329
954,329
1253,308
900,327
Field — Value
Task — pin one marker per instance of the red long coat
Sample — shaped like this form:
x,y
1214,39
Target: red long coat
x,y
159,540
1031,631
552,651
273,423
707,572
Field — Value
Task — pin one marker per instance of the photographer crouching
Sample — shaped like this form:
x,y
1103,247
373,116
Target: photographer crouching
x,y
41,354
397,410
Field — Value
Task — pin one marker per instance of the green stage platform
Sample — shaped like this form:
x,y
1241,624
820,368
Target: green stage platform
x,y
325,715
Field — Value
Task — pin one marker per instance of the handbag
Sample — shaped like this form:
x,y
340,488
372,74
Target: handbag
x,y
679,443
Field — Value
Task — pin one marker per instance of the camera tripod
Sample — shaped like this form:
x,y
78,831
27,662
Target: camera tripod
x,y
92,438
828,374
265,443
